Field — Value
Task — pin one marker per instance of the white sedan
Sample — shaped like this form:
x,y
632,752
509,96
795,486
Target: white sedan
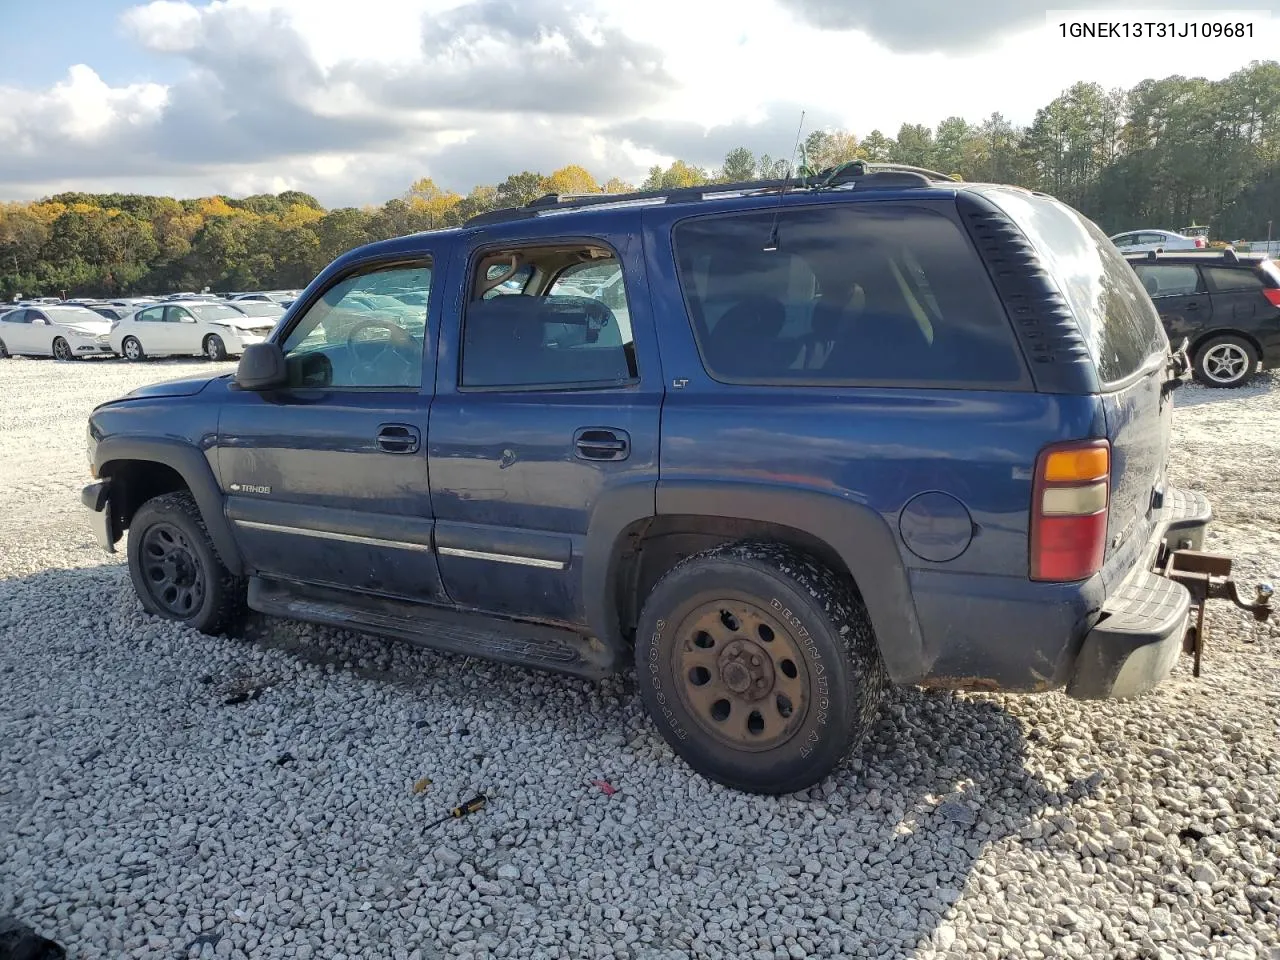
x,y
215,331
48,330
1141,241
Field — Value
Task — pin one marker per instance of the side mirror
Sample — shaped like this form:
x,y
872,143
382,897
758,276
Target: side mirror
x,y
261,367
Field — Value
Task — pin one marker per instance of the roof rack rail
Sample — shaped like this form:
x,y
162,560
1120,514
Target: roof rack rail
x,y
884,174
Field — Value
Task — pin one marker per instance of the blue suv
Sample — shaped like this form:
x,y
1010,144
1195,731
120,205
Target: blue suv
x,y
777,444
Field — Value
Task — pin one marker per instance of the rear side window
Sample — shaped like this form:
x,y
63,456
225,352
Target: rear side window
x,y
850,293
1228,279
1116,316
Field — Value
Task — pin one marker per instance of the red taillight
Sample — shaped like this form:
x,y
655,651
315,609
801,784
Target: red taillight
x,y
1069,510
1273,296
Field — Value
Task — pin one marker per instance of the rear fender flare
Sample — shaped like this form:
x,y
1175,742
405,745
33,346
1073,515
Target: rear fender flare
x,y
855,532
190,463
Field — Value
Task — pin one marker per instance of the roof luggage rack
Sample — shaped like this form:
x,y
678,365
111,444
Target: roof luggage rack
x,y
858,171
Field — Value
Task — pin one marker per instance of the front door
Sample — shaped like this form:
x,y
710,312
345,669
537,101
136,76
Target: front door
x,y
546,424
326,480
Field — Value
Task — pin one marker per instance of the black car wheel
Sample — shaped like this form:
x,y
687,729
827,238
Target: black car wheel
x,y
759,666
62,350
1226,361
175,569
4,351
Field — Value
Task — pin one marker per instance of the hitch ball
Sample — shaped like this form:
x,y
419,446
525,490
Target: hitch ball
x,y
1264,591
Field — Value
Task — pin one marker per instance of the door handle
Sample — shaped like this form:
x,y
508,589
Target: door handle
x,y
1193,305
398,438
601,443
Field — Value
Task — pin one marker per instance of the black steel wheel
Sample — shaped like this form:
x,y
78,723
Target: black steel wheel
x,y
759,666
176,570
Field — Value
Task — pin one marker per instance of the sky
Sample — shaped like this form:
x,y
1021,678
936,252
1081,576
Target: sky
x,y
354,101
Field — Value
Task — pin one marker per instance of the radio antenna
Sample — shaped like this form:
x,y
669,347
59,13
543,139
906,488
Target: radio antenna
x,y
772,245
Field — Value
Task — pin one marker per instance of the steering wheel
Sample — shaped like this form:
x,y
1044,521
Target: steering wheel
x,y
367,355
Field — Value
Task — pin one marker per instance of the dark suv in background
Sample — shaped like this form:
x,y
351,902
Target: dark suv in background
x,y
773,443
1227,305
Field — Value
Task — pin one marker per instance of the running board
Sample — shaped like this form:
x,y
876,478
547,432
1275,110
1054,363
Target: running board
x,y
531,645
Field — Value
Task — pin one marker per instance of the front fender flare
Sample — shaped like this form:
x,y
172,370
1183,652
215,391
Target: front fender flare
x,y
191,465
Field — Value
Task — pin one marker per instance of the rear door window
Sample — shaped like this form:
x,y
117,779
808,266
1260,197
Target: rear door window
x,y
850,293
1116,316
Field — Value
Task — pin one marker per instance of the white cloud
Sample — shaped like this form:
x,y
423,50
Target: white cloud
x,y
353,103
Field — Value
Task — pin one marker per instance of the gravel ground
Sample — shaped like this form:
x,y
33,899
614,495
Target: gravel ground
x,y
142,815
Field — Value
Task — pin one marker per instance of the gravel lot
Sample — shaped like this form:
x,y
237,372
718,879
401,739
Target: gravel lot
x,y
142,815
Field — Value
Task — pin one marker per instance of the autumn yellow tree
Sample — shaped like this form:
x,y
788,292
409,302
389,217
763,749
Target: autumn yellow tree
x,y
572,179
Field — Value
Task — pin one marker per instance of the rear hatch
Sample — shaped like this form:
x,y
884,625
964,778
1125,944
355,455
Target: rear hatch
x,y
1131,354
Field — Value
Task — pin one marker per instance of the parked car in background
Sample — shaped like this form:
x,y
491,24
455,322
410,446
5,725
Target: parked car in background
x,y
1140,241
109,310
1226,304
187,328
54,330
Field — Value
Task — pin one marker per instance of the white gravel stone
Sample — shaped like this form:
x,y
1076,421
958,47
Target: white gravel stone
x,y
139,812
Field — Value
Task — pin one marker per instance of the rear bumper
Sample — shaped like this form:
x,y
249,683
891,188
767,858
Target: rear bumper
x,y
1139,634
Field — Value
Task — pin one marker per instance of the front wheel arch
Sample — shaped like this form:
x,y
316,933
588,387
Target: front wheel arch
x,y
129,456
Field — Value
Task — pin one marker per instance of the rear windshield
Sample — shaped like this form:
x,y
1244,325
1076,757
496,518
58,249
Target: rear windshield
x,y
847,293
1115,313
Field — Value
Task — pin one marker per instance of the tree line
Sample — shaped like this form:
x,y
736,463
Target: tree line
x,y
1165,154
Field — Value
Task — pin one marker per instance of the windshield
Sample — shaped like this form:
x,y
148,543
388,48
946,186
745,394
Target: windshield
x,y
213,311
257,308
73,315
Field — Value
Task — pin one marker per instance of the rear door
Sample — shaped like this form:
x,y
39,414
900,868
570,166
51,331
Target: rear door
x,y
1237,295
15,330
1129,347
545,420
1179,293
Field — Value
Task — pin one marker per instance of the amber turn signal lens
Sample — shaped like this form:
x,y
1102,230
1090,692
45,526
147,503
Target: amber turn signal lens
x,y
1069,466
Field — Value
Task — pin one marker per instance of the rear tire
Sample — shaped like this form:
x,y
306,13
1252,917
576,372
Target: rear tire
x,y
759,666
176,570
4,351
214,348
1226,361
62,350
132,349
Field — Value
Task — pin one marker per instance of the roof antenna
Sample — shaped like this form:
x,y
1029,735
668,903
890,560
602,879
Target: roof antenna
x,y
772,245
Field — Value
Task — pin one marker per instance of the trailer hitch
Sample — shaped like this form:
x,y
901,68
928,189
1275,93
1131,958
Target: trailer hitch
x,y
1207,576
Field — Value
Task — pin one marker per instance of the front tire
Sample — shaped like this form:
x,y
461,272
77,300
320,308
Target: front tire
x,y
4,351
176,570
759,666
1226,361
214,348
62,350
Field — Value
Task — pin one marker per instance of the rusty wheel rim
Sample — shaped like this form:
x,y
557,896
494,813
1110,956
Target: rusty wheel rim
x,y
741,674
